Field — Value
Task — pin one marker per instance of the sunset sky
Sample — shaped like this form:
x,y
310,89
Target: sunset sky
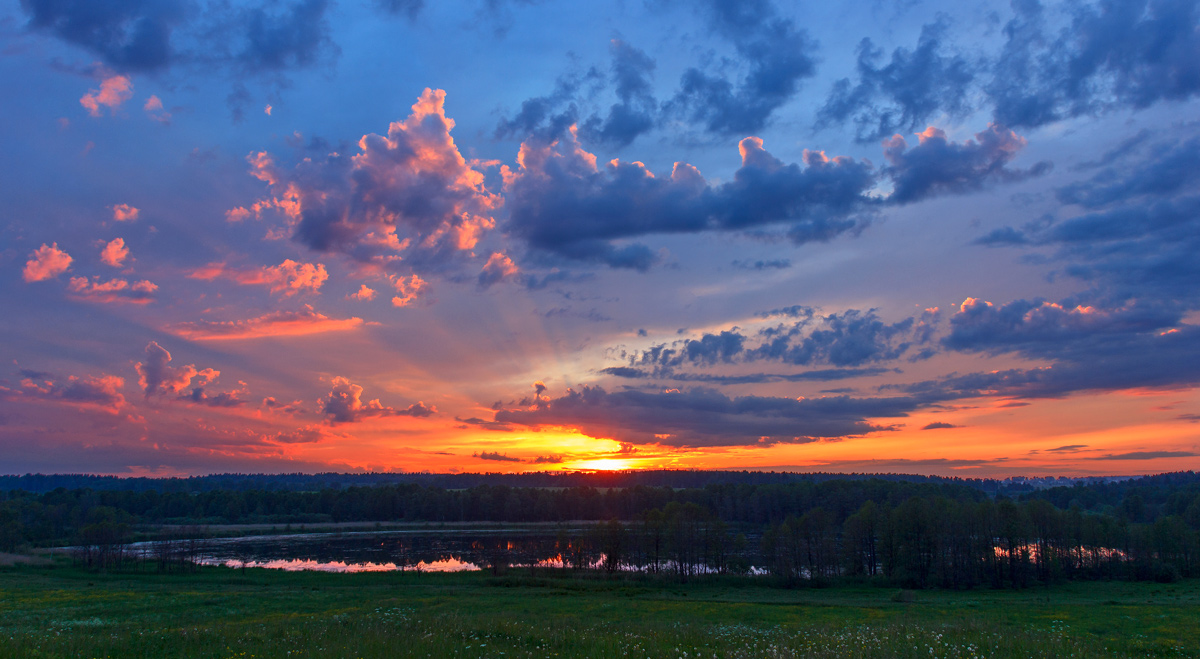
x,y
955,238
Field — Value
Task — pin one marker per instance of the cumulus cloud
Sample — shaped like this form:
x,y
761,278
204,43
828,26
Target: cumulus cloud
x,y
938,166
114,253
776,56
901,96
113,290
495,455
407,290
102,392
114,90
498,268
408,196
363,294
137,36
705,417
125,213
46,262
344,404
157,376
154,109
289,278
275,324
561,202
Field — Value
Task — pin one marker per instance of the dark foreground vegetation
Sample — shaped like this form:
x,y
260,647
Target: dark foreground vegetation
x,y
66,611
912,534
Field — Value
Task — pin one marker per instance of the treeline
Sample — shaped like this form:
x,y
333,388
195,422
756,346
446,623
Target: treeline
x,y
56,517
674,478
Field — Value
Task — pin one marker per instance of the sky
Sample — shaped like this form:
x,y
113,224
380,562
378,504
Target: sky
x,y
952,238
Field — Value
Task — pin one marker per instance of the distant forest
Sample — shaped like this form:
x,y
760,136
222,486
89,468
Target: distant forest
x,y
910,530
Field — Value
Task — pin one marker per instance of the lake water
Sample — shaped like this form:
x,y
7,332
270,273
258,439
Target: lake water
x,y
382,551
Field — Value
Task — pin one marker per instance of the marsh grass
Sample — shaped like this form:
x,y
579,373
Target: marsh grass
x,y
218,612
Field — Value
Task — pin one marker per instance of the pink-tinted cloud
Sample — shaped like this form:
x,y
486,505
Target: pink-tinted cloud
x,y
114,90
154,110
114,253
113,290
410,193
46,262
157,376
289,277
344,405
407,290
363,294
103,392
125,213
498,268
280,323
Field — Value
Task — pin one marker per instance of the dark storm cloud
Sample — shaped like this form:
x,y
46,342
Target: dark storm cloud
x,y
153,35
704,417
904,94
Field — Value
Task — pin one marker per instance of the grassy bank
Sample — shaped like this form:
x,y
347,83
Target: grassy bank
x,y
63,611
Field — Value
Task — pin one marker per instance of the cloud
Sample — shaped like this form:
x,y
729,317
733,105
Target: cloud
x,y
938,166
636,110
154,110
407,290
142,36
344,404
1069,448
776,56
125,213
157,376
275,324
103,391
498,268
852,338
774,264
560,202
289,277
363,294
114,90
494,455
938,425
1147,455
1116,53
818,375
46,262
409,8
915,86
114,253
705,417
112,291
408,196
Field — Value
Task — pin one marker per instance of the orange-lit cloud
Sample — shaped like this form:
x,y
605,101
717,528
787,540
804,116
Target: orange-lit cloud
x,y
363,294
99,392
279,323
46,262
407,290
113,290
289,277
125,213
498,268
114,90
157,376
114,253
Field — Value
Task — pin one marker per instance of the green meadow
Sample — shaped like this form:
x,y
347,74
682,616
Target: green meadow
x,y
64,611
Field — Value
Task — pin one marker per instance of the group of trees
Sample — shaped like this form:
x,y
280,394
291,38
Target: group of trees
x,y
924,533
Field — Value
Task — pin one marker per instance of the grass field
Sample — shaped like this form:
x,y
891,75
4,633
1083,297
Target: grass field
x,y
62,611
